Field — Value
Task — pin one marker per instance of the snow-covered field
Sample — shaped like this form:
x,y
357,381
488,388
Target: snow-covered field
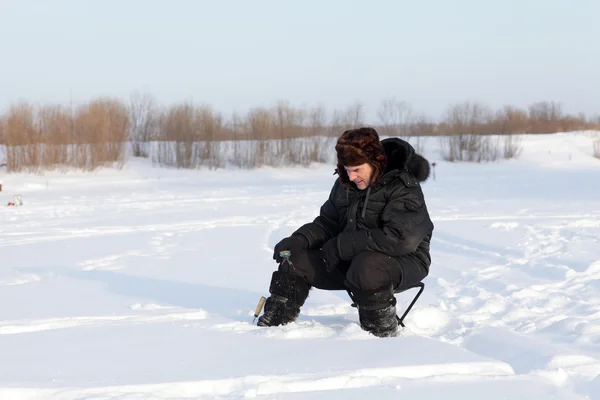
x,y
141,284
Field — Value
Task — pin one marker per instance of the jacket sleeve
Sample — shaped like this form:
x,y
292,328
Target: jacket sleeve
x,y
326,225
405,223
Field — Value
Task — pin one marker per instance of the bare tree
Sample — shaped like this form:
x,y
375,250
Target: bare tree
x,y
510,120
418,130
464,128
103,124
396,118
209,128
23,148
322,144
261,129
353,116
144,118
513,146
546,111
55,123
545,116
239,135
178,133
288,125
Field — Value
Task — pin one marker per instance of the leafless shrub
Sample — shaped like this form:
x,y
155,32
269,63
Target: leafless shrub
x,y
396,118
288,124
23,147
241,153
351,117
464,139
210,131
309,138
177,137
261,130
144,119
548,117
545,116
510,120
32,138
55,126
321,145
189,137
278,136
101,130
512,146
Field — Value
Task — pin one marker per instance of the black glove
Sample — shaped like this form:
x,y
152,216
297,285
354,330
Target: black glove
x,y
294,243
330,254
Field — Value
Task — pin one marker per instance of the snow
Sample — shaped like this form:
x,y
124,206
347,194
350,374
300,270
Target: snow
x,y
142,283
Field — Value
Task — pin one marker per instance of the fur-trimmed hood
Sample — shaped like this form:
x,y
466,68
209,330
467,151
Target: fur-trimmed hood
x,y
401,156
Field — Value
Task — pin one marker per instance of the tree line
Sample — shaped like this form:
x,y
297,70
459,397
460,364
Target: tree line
x,y
107,131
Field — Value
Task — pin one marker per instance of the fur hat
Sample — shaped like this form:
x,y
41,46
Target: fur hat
x,y
360,146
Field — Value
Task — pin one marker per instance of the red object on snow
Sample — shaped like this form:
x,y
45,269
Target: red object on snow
x,y
10,203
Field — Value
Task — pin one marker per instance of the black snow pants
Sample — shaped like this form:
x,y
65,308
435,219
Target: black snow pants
x,y
368,271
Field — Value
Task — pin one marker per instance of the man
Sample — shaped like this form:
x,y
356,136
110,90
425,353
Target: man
x,y
372,235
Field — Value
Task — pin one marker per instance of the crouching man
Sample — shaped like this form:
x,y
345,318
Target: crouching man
x,y
372,235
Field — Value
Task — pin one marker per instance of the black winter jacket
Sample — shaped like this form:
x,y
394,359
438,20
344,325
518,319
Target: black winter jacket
x,y
390,216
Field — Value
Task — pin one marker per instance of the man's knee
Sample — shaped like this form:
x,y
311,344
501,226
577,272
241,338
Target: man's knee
x,y
297,263
371,271
307,264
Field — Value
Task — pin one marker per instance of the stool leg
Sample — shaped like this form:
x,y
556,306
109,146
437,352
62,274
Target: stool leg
x,y
401,319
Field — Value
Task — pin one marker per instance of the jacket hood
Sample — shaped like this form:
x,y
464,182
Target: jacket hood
x,y
401,155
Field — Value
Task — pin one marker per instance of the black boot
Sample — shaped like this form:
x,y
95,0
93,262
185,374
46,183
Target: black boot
x,y
377,312
288,294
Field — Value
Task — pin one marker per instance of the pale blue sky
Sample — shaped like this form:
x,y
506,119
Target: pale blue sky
x,y
241,54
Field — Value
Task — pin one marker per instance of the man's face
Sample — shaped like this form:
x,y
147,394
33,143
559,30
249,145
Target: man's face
x,y
360,175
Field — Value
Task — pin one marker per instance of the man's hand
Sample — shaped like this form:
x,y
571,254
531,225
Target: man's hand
x,y
294,243
330,254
